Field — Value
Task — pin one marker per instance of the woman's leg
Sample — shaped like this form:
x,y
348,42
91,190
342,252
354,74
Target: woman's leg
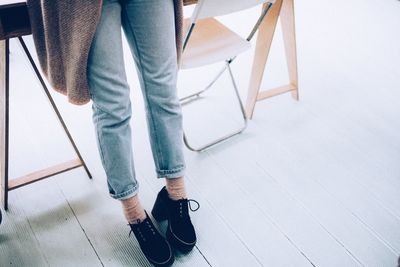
x,y
111,103
150,30
112,110
111,115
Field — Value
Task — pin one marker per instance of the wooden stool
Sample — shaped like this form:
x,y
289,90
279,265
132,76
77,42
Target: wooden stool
x,y
283,9
14,22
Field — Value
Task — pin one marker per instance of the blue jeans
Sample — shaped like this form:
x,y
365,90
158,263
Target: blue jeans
x,y
150,30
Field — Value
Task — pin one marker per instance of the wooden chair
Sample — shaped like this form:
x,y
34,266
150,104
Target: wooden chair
x,y
208,41
14,22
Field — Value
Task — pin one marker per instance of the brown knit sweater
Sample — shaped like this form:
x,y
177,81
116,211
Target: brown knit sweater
x,y
63,32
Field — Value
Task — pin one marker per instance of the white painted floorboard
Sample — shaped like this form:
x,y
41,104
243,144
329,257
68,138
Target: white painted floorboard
x,y
309,183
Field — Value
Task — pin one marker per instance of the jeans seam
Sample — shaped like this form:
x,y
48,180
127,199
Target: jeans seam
x,y
99,139
126,193
167,173
181,167
159,154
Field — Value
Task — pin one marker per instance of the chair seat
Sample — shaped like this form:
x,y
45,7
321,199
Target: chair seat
x,y
211,42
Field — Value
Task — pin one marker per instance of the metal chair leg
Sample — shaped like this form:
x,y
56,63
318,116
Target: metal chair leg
x,y
41,80
223,138
237,93
187,99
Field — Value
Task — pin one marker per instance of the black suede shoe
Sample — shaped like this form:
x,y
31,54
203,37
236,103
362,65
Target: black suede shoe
x,y
180,232
154,246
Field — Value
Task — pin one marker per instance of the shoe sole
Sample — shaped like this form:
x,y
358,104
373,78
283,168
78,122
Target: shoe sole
x,y
166,264
178,244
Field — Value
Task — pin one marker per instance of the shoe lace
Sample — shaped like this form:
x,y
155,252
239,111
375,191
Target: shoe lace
x,y
137,228
189,201
190,205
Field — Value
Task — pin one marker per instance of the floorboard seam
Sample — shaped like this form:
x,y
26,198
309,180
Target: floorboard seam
x,y
201,253
312,215
228,225
342,204
355,179
83,230
34,235
267,217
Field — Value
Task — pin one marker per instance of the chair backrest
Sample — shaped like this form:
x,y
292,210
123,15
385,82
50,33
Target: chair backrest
x,y
213,8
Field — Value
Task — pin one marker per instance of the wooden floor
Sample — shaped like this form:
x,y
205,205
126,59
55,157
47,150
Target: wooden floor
x,y
309,183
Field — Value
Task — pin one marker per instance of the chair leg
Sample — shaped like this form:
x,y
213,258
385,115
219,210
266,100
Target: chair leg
x,y
237,94
4,119
41,80
223,138
187,99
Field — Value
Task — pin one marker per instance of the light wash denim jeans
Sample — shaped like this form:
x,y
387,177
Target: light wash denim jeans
x,y
149,28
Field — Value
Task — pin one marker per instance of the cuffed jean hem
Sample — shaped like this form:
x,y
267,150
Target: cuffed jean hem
x,y
170,174
127,194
